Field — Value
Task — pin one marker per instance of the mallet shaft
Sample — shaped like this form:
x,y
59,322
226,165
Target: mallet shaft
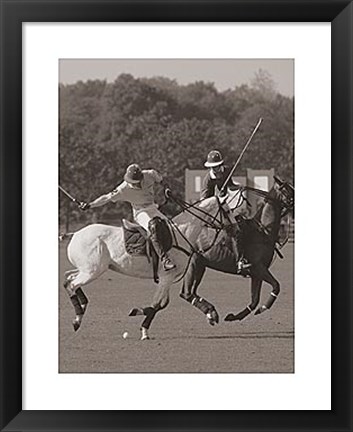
x,y
241,154
67,194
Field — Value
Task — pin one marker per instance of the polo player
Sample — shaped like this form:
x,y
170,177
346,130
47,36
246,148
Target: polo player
x,y
138,189
217,174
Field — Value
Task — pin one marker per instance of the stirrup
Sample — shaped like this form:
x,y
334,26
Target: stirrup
x,y
242,265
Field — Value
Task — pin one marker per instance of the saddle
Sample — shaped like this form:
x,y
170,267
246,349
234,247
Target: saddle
x,y
138,243
135,237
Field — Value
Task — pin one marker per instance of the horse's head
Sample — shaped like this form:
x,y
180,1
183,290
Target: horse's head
x,y
279,202
284,193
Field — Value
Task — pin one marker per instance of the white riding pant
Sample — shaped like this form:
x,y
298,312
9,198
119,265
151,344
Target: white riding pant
x,y
143,216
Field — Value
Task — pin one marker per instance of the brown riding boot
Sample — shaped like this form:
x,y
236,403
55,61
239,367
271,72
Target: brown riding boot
x,y
155,236
165,260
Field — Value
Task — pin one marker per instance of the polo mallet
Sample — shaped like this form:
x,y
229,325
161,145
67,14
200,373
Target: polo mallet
x,y
69,196
240,156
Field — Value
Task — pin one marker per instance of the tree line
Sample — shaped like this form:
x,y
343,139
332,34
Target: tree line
x,y
156,122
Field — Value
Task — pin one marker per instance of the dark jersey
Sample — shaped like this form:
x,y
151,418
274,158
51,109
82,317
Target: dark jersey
x,y
211,185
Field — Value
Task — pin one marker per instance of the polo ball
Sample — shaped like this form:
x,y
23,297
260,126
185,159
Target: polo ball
x,y
125,335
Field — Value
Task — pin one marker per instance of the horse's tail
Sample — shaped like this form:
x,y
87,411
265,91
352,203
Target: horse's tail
x,y
65,236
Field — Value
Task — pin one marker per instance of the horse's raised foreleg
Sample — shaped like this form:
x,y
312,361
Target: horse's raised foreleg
x,y
255,298
191,281
269,278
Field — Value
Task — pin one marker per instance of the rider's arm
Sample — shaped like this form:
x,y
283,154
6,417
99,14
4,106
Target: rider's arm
x,y
103,199
113,196
156,176
161,187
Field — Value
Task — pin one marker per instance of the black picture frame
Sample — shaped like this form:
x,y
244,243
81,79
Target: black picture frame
x,y
16,12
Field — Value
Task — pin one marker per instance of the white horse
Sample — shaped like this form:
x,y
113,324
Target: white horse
x,y
96,248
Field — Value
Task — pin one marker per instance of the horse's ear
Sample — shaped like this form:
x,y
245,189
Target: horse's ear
x,y
278,181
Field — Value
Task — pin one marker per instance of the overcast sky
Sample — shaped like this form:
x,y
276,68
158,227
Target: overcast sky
x,y
224,74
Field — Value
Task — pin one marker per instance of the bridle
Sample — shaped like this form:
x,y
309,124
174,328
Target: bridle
x,y
284,202
286,191
222,220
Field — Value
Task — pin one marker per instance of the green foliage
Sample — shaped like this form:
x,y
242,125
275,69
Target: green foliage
x,y
160,124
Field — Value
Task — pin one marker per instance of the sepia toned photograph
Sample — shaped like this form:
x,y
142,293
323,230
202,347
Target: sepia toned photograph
x,y
166,230
176,216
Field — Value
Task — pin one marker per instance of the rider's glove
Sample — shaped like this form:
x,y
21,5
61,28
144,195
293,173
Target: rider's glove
x,y
84,206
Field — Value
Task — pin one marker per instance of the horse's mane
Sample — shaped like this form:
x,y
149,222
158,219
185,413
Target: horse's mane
x,y
270,198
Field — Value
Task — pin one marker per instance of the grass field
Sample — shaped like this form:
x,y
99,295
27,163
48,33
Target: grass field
x,y
182,340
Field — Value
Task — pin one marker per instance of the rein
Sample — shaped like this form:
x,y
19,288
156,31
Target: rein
x,y
185,206
218,224
262,193
267,196
174,228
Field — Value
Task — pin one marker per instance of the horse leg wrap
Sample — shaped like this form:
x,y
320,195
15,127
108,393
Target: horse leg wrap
x,y
271,300
76,304
150,313
82,297
201,304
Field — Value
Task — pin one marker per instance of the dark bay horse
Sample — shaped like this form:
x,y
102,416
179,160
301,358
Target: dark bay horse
x,y
259,236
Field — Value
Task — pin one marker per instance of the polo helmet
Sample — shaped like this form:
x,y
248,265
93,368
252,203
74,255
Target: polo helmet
x,y
133,174
214,158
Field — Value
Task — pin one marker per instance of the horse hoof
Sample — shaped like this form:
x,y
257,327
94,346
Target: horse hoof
x,y
136,311
260,310
144,334
211,321
230,317
213,318
76,325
